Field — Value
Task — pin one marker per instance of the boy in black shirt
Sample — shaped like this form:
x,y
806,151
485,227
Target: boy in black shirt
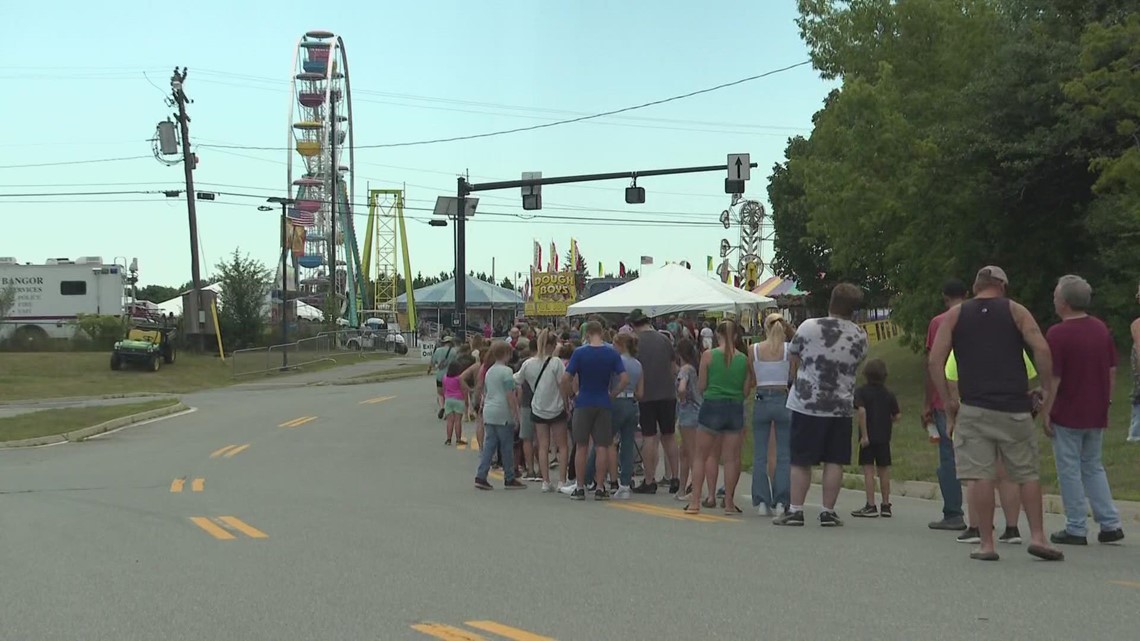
x,y
877,409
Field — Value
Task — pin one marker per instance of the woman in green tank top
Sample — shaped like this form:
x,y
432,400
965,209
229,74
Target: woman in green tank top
x,y
725,379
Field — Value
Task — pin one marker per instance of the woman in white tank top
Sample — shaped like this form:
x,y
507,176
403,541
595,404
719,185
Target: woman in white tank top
x,y
771,419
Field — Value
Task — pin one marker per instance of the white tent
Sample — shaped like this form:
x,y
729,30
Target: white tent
x,y
672,289
304,310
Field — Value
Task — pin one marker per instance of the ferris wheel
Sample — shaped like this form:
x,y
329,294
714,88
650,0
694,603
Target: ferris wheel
x,y
321,178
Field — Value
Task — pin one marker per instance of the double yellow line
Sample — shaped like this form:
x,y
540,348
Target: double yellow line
x,y
220,527
229,451
378,399
298,422
451,633
671,512
197,485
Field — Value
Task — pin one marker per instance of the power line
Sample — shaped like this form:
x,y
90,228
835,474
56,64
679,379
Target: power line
x,y
545,125
75,162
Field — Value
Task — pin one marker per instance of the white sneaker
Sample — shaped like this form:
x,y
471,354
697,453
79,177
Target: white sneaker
x,y
765,510
568,489
682,497
623,493
546,487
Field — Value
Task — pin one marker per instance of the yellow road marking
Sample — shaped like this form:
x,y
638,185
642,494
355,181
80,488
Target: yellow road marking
x,y
496,474
378,399
461,446
671,513
237,450
447,632
243,527
212,528
197,485
507,631
298,422
1126,584
177,484
219,452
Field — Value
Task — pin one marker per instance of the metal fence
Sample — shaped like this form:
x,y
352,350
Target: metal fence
x,y
335,346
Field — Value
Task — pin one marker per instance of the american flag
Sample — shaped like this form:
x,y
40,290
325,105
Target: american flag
x,y
304,219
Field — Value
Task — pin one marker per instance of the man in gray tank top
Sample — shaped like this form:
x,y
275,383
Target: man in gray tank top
x,y
994,417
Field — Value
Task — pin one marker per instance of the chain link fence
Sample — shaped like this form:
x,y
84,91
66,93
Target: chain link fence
x,y
335,346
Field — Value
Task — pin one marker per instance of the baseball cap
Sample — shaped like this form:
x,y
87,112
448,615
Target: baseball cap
x,y
637,316
994,272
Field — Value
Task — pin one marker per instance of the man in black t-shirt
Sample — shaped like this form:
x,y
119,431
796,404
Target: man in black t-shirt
x,y
878,410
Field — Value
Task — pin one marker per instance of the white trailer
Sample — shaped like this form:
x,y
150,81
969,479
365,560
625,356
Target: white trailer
x,y
49,297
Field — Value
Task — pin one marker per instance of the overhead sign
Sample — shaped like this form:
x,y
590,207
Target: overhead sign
x,y
552,293
739,167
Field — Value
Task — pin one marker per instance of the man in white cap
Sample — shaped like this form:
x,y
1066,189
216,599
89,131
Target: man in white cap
x,y
993,414
440,360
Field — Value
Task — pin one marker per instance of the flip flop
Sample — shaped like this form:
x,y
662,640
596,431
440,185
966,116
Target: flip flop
x,y
984,556
709,503
728,512
689,510
1046,554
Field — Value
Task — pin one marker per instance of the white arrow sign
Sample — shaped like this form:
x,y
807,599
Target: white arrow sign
x,y
739,167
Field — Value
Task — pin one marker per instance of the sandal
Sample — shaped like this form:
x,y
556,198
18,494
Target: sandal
x,y
1046,554
731,512
984,556
709,503
689,510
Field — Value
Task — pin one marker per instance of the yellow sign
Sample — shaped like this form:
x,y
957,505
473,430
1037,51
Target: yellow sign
x,y
880,331
553,293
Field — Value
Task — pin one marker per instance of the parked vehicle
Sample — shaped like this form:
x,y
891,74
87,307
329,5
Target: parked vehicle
x,y
50,297
379,334
149,344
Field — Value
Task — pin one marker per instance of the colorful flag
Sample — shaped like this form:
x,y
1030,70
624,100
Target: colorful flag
x,y
537,256
303,218
553,257
621,270
600,270
709,264
646,260
573,255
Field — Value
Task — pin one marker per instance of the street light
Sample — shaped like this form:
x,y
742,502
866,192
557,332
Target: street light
x,y
284,202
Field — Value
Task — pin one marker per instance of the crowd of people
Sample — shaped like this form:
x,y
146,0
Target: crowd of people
x,y
572,401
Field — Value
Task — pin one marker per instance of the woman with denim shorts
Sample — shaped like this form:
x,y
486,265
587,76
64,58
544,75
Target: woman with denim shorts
x,y
771,368
724,380
688,408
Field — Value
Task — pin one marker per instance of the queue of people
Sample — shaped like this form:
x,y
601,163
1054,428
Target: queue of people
x,y
548,401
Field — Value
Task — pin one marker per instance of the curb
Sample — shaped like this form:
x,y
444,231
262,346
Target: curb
x,y
1129,510
81,399
88,432
398,375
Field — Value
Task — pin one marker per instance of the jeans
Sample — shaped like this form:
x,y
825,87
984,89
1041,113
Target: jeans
x,y
502,439
948,482
1134,429
625,416
1083,481
771,407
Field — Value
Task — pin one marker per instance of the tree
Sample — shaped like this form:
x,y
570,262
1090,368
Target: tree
x,y
157,293
246,284
7,301
507,284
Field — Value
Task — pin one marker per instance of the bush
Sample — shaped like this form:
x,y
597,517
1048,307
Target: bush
x,y
102,330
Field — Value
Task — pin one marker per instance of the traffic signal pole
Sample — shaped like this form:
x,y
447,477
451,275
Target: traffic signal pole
x,y
465,188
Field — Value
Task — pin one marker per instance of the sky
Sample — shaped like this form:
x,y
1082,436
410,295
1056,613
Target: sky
x,y
87,82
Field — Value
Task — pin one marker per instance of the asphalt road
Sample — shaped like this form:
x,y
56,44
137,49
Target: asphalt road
x,y
358,523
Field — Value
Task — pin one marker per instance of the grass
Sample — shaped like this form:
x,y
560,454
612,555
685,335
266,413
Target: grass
x,y
31,375
916,459
60,421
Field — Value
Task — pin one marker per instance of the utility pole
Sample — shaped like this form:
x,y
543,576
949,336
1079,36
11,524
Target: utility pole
x,y
178,88
461,257
335,173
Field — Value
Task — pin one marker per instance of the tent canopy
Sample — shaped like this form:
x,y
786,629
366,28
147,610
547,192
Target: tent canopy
x,y
304,310
479,294
778,286
669,290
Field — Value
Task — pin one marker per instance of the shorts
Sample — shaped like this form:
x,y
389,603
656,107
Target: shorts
x,y
820,439
593,422
453,406
658,416
981,435
721,416
439,385
877,454
526,426
687,415
538,420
